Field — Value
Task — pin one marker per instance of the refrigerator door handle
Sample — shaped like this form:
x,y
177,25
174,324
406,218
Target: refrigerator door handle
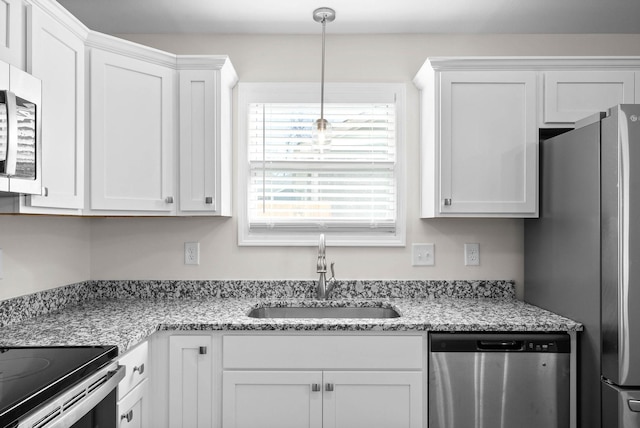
x,y
634,405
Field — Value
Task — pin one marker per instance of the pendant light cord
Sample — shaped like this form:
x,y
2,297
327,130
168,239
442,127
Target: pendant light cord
x,y
324,24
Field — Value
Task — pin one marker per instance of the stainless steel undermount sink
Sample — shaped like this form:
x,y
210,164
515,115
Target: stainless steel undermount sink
x,y
323,312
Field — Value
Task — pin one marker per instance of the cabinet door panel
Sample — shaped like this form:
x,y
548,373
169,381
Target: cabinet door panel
x,y
271,399
198,141
57,58
373,400
190,382
131,134
133,408
488,157
573,95
10,31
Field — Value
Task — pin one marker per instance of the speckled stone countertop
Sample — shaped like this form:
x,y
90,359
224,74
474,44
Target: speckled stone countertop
x,y
126,322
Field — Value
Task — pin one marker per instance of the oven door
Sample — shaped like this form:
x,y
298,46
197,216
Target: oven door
x,y
90,403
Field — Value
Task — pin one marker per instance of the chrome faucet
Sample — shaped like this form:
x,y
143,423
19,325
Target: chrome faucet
x,y
325,285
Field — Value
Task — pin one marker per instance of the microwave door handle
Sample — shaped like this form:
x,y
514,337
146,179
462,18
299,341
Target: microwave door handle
x,y
12,134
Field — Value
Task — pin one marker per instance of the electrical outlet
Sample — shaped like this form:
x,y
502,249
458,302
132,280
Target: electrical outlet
x,y
191,253
472,254
423,255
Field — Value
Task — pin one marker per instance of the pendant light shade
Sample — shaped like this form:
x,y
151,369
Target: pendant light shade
x,y
321,131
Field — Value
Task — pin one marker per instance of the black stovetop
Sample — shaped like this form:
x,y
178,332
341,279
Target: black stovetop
x,y
29,376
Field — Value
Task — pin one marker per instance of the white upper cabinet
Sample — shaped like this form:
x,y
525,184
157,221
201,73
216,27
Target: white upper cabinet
x,y
480,121
479,141
206,84
132,134
573,95
12,32
56,55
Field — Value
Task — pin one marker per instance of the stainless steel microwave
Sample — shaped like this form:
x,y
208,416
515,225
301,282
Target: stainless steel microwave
x,y
20,135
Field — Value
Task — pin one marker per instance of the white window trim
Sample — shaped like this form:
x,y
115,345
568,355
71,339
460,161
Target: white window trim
x,y
334,92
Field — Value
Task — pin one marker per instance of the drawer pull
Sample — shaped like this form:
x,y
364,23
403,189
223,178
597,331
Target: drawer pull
x,y
328,387
447,201
139,369
169,199
208,200
203,350
315,387
127,416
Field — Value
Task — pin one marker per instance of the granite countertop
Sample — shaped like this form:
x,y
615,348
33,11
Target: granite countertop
x,y
127,321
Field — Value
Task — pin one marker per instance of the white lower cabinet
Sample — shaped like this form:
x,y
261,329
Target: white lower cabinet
x,y
133,390
322,399
238,380
372,399
322,381
133,409
190,382
282,399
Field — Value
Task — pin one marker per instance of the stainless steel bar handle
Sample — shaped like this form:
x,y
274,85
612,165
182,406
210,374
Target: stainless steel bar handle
x,y
208,200
139,368
12,134
447,201
315,387
169,199
634,405
127,416
328,387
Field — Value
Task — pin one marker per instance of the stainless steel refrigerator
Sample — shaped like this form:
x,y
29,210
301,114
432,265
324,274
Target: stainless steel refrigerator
x,y
582,257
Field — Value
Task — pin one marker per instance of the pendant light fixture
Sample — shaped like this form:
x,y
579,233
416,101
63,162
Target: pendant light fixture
x,y
322,128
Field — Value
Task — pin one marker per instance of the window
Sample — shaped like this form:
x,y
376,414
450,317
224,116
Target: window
x,y
293,188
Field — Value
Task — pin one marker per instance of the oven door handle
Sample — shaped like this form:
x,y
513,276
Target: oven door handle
x,y
70,406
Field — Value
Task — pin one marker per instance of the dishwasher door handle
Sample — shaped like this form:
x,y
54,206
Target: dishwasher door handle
x,y
500,345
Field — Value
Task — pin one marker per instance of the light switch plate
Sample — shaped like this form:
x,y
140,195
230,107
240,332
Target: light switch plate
x,y
423,255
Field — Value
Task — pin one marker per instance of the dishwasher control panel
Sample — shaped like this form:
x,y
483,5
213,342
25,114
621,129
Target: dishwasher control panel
x,y
500,342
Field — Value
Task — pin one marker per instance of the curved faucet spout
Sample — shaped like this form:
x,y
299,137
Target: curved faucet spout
x,y
324,286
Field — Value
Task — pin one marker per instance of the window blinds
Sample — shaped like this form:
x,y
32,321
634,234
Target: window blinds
x,y
296,183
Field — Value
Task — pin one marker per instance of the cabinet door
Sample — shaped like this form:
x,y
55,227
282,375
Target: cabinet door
x,y
274,399
488,144
134,407
190,382
57,58
372,399
573,95
11,30
198,141
132,151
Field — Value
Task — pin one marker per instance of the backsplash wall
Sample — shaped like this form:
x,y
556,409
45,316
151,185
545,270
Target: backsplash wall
x,y
41,252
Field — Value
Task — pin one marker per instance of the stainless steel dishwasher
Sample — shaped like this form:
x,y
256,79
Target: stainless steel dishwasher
x,y
495,380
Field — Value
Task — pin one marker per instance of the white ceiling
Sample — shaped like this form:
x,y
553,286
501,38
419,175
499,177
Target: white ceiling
x,y
358,16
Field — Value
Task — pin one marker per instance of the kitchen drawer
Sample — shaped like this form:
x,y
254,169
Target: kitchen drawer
x,y
132,409
137,363
322,352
